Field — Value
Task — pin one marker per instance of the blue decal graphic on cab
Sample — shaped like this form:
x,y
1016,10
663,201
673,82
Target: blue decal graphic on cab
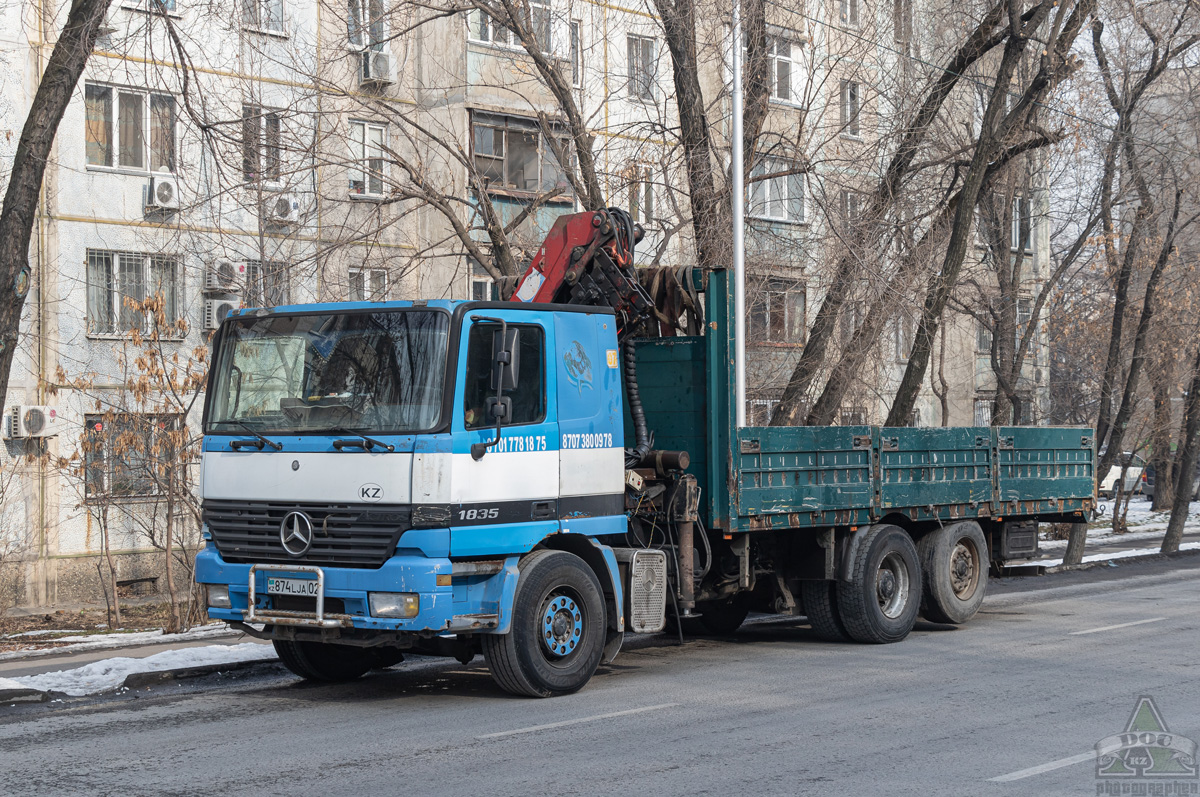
x,y
578,366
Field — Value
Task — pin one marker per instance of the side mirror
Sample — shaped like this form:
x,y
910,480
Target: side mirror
x,y
506,359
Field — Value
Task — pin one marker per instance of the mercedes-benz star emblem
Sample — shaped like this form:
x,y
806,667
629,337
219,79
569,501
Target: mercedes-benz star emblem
x,y
296,533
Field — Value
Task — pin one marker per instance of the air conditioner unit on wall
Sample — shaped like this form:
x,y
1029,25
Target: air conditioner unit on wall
x,y
163,192
376,69
216,310
282,209
25,420
224,276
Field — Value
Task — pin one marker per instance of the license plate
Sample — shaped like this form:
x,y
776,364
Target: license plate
x,y
306,587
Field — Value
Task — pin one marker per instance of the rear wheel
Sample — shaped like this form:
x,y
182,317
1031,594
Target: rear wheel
x,y
880,602
954,565
820,605
557,634
320,661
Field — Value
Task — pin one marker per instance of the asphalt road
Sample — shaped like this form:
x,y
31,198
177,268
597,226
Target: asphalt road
x,y
1010,704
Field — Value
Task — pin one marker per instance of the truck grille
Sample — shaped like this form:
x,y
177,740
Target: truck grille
x,y
344,535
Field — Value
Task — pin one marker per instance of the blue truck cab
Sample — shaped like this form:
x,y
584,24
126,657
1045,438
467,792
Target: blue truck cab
x,y
362,497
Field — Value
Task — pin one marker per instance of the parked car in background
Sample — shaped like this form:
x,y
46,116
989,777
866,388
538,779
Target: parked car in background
x,y
1132,466
1148,483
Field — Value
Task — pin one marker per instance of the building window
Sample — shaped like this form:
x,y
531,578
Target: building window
x,y
777,312
983,412
483,287
266,284
983,336
851,316
118,284
126,454
536,19
513,154
367,143
261,144
853,416
759,411
851,107
576,53
902,20
848,12
779,51
265,15
143,136
368,285
1022,226
914,418
1024,314
365,24
777,191
641,195
904,329
851,204
642,67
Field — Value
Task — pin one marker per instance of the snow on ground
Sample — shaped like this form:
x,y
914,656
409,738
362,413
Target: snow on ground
x,y
118,639
1102,557
1143,524
101,676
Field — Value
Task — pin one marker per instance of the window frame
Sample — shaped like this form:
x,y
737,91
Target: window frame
x,y
773,42
113,124
366,275
850,13
646,56
575,48
482,28
256,25
769,166
545,155
256,292
361,24
116,294
778,295
360,161
902,21
641,194
112,463
263,116
851,119
1021,234
847,415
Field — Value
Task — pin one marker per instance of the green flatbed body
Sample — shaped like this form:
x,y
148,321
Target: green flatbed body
x,y
802,477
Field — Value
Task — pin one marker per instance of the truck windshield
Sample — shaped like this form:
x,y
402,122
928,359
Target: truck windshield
x,y
298,374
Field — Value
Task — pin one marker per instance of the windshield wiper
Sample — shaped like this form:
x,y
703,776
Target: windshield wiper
x,y
367,443
262,438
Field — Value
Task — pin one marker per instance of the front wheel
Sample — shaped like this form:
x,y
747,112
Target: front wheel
x,y
557,635
320,661
881,600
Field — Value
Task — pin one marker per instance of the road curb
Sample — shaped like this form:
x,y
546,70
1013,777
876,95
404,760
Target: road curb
x,y
1150,557
74,648
138,680
23,696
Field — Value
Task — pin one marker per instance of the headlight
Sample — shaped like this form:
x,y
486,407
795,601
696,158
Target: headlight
x,y
218,596
402,605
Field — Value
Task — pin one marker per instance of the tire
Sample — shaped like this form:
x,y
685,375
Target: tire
x,y
323,662
880,602
724,617
558,628
820,606
954,567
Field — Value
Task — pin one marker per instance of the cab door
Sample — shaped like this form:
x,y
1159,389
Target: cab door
x,y
591,428
506,500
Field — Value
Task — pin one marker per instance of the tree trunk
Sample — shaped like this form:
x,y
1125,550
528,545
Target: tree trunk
x,y
1076,542
1161,457
1189,453
65,65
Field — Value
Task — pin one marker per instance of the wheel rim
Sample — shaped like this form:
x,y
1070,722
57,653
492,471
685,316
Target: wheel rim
x,y
891,585
964,569
561,627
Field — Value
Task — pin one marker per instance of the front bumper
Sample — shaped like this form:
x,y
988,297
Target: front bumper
x,y
472,601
